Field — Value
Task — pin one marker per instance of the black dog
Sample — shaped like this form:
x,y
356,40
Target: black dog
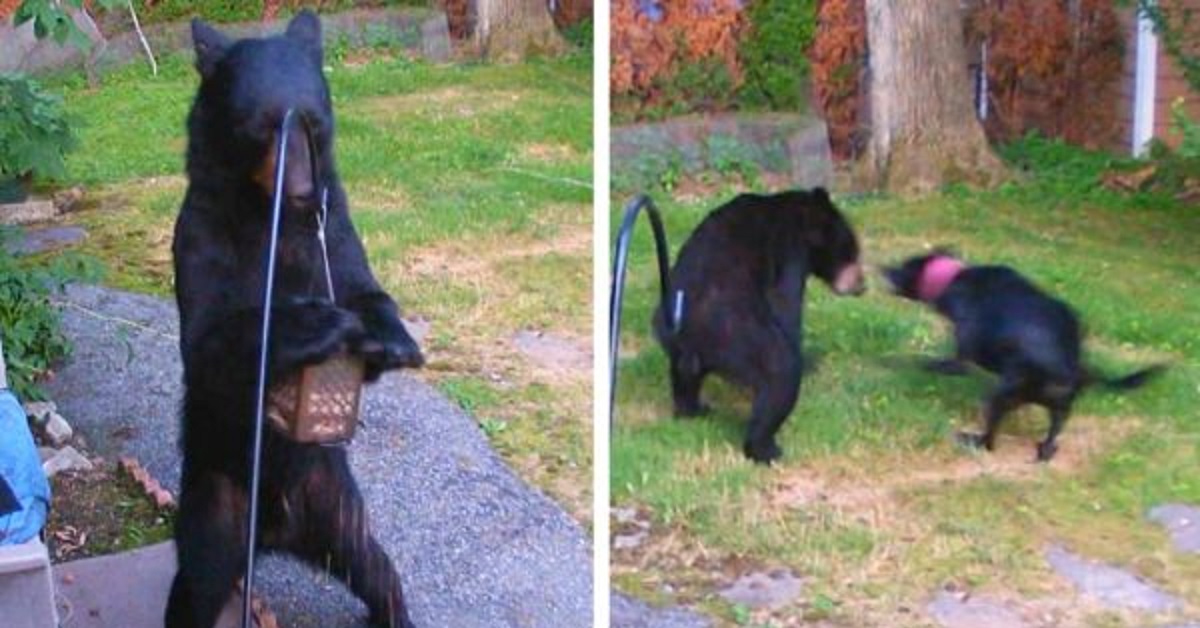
x,y
310,504
737,294
1009,327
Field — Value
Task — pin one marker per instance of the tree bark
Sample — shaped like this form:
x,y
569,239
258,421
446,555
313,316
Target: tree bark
x,y
924,133
511,29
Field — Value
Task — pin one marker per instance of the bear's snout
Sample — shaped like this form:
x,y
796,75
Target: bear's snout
x,y
850,280
298,184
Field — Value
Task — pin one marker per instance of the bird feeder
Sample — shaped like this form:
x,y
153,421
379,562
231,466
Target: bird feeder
x,y
321,403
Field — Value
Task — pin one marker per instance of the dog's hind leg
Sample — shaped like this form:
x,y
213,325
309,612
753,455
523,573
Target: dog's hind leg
x,y
1003,399
210,539
335,536
1058,417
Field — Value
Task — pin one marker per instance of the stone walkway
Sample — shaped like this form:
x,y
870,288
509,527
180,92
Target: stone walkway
x,y
628,612
1102,585
476,547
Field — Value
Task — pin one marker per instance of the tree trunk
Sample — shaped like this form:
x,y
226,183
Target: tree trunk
x,y
510,29
924,133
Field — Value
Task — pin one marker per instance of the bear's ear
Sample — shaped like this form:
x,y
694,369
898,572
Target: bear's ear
x,y
210,45
305,29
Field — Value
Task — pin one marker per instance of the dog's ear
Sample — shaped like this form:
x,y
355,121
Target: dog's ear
x,y
210,45
305,29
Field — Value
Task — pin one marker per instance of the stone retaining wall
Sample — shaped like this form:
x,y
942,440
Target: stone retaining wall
x,y
793,145
419,30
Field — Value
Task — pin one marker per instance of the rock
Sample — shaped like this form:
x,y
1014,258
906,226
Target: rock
x,y
629,541
772,590
418,30
955,610
27,212
50,239
22,51
418,328
627,612
46,453
57,430
39,411
792,145
1182,522
552,352
1112,587
625,515
66,200
66,459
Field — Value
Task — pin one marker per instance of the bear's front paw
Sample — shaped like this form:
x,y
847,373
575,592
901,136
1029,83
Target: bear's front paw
x,y
313,331
384,354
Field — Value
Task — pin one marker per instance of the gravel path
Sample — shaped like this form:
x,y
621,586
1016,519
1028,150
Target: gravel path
x,y
475,545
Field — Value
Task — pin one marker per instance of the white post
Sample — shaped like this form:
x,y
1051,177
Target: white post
x,y
3,372
1145,82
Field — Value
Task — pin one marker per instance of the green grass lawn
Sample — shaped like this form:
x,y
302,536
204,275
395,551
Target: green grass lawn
x,y
873,503
470,186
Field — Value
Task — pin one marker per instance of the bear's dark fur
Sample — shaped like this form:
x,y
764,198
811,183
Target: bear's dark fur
x,y
742,275
1009,327
309,503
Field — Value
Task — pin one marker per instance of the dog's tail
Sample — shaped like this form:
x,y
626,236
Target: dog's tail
x,y
1133,380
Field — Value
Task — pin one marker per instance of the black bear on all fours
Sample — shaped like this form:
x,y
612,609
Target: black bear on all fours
x,y
1006,325
739,281
309,503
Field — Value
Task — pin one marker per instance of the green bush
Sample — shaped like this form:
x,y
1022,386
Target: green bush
x,y
1057,173
774,53
34,133
699,86
29,322
580,34
1188,129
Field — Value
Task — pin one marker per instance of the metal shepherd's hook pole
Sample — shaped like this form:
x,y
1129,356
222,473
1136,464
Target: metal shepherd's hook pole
x,y
260,400
617,292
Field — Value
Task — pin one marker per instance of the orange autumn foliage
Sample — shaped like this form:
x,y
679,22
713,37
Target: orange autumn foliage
x,y
644,51
838,61
1050,70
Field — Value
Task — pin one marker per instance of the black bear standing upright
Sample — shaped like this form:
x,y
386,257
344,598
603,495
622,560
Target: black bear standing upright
x,y
742,275
309,503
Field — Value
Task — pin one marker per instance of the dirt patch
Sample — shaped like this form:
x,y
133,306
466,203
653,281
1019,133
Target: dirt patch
x,y
388,199
547,153
469,259
440,103
101,512
858,489
553,353
489,287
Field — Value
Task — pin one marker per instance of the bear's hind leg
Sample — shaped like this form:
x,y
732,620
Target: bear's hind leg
x,y
687,376
337,538
210,544
776,381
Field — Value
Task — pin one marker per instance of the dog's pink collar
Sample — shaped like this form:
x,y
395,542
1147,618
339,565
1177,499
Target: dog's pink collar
x,y
936,276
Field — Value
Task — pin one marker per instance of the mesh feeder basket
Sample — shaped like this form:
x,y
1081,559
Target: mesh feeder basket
x,y
321,403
